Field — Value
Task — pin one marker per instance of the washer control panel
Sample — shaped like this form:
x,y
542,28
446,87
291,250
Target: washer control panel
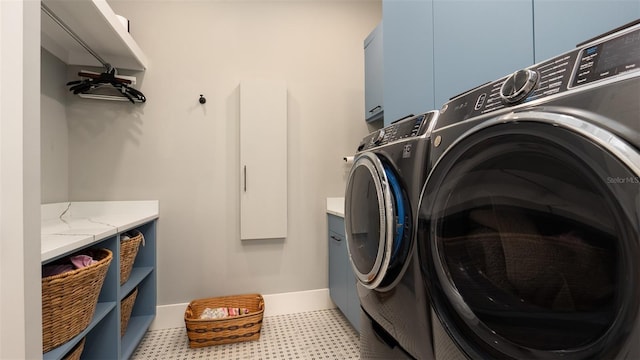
x,y
613,54
401,130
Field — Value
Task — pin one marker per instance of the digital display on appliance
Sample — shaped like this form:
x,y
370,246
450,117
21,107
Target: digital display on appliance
x,y
620,54
607,59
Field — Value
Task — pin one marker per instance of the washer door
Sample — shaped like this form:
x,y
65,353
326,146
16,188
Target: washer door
x,y
377,221
529,240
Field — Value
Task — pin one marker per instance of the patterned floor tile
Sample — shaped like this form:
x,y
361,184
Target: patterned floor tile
x,y
316,335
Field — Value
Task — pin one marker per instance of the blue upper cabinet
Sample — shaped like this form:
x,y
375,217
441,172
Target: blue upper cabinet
x,y
479,41
560,25
408,58
373,81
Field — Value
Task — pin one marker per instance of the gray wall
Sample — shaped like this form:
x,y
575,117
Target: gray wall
x,y
186,155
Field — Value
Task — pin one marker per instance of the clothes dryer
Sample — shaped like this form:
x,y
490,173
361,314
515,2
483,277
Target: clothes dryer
x,y
529,223
381,203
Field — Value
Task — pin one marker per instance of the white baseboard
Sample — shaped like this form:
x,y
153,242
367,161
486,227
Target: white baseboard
x,y
172,316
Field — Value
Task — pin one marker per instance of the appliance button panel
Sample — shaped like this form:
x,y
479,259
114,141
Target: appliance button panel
x,y
401,130
554,76
493,101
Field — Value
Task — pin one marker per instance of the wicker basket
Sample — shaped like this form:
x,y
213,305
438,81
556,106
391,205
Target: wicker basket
x,y
126,306
69,300
75,353
207,332
128,252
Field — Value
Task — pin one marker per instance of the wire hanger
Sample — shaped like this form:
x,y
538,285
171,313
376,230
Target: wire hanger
x,y
106,85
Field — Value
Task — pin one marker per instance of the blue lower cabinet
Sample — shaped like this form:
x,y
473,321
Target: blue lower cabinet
x,y
337,270
342,281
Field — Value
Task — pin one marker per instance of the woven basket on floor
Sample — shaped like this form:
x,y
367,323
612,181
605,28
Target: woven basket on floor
x,y
207,332
128,251
69,300
75,353
126,306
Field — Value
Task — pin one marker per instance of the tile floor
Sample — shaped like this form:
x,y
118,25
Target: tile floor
x,y
324,334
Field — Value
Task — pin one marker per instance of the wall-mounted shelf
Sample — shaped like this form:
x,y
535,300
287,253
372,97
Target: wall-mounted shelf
x,y
97,25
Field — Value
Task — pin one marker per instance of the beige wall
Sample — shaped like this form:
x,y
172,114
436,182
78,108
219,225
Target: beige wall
x,y
186,155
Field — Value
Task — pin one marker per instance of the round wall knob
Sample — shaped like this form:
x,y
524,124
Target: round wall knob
x,y
518,85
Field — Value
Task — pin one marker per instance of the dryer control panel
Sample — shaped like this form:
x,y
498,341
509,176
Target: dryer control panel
x,y
609,57
401,130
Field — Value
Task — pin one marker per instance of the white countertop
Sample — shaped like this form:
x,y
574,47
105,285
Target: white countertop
x,y
335,206
72,225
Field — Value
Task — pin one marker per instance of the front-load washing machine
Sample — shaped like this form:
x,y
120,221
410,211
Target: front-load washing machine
x,y
529,223
381,203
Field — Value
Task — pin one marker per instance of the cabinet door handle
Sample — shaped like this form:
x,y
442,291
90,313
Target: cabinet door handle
x,y
375,109
336,238
245,178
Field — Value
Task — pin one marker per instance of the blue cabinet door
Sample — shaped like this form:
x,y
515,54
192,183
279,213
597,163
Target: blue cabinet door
x,y
560,25
479,41
373,83
408,58
342,280
337,271
338,262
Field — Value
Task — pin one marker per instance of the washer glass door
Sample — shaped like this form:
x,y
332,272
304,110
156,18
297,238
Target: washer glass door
x,y
375,219
529,243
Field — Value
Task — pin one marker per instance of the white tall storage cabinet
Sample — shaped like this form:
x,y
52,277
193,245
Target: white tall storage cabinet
x,y
263,159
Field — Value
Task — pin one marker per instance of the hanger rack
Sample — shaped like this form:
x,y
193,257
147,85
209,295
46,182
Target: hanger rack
x,y
104,86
